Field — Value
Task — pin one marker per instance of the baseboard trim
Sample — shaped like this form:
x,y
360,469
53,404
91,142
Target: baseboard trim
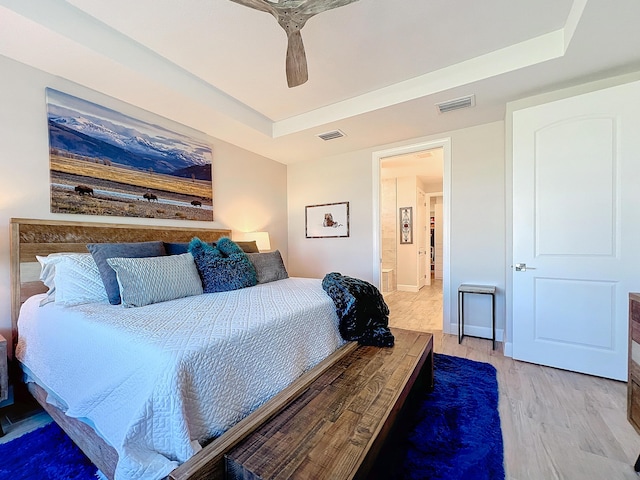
x,y
508,349
475,331
407,288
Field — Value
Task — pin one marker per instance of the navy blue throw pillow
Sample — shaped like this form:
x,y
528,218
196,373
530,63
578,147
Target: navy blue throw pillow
x,y
222,270
178,248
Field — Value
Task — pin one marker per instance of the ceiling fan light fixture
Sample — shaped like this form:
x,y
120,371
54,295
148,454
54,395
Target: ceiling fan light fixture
x,y
332,135
456,104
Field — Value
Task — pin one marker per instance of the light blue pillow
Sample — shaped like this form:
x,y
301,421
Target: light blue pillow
x,y
102,251
144,281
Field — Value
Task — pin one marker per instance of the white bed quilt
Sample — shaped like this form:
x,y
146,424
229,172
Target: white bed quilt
x,y
156,381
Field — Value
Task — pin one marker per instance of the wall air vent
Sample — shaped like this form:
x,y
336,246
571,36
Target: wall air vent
x,y
457,103
331,135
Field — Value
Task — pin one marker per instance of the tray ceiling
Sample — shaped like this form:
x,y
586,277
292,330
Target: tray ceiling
x,y
376,68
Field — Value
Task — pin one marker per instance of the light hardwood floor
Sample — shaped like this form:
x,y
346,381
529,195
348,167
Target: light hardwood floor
x,y
556,424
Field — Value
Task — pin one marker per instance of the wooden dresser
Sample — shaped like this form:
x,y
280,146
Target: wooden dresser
x,y
633,386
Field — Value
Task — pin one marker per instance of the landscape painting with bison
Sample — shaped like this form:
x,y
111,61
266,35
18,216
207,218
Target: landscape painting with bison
x,y
105,163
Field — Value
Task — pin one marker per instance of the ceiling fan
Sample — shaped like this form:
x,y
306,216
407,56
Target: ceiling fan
x,y
292,16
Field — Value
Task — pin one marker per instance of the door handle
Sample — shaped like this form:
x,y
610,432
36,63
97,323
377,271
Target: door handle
x,y
522,267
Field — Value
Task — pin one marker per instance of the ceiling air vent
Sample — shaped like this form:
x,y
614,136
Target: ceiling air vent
x,y
457,103
331,135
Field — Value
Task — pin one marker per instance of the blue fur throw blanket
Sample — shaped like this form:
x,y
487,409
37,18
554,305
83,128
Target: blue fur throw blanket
x,y
363,314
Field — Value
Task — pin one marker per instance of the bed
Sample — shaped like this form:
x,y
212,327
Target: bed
x,y
158,405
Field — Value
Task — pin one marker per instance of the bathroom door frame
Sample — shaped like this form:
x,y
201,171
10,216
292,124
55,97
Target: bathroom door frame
x,y
377,156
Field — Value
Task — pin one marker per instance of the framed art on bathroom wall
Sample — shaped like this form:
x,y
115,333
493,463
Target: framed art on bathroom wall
x,y
406,225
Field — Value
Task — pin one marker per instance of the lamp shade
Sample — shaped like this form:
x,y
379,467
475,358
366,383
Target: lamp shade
x,y
261,238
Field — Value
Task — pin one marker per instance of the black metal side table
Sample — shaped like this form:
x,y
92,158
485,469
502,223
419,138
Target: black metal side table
x,y
477,289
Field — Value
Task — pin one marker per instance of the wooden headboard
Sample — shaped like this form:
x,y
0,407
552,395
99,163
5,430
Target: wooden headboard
x,y
31,237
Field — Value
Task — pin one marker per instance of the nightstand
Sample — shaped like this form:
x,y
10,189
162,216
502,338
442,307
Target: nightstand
x,y
4,374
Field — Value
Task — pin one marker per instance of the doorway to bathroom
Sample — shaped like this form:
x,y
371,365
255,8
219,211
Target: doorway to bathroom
x,y
411,236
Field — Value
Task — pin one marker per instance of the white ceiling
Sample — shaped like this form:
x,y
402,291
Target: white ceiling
x,y
427,165
376,67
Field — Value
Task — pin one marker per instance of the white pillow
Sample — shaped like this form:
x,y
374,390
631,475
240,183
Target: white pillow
x,y
78,278
148,280
48,274
78,281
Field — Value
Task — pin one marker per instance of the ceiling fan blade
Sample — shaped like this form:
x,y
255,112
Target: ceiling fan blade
x,y
257,4
292,16
313,7
297,72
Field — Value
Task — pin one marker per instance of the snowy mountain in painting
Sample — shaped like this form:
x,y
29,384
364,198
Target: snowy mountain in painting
x,y
137,145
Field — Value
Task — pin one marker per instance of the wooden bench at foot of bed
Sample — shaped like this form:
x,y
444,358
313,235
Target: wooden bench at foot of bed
x,y
336,428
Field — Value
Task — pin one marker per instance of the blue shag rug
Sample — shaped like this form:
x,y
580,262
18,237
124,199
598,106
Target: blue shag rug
x,y
452,433
44,454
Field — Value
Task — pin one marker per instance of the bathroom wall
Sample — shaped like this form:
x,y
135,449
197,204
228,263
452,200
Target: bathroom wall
x,y
389,225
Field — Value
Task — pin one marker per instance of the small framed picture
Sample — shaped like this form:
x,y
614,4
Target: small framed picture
x,y
329,220
406,225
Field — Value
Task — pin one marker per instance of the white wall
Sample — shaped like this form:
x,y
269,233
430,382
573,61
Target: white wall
x,y
341,178
477,215
432,187
249,190
389,232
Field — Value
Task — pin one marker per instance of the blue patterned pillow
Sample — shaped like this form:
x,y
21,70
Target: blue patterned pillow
x,y
220,271
227,247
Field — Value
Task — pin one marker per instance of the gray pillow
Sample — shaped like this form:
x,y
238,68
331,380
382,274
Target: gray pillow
x,y
269,266
102,251
144,281
249,247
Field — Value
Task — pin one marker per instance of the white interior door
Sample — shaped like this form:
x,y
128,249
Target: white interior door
x,y
575,199
423,258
